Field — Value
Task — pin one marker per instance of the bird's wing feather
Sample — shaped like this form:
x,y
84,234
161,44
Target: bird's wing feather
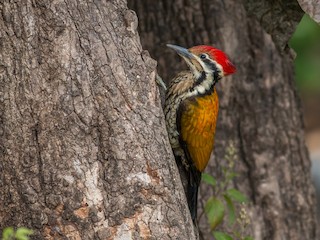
x,y
196,121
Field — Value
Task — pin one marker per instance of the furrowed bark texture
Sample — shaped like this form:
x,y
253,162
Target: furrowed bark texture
x,y
84,152
260,110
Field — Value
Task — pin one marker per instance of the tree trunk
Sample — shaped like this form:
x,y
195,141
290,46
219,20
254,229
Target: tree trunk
x,y
260,110
84,151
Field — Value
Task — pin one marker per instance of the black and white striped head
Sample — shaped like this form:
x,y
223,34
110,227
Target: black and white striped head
x,y
206,60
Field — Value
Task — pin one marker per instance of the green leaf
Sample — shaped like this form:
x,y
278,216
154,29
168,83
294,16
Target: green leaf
x,y
8,233
231,209
221,236
231,175
23,233
207,178
236,195
248,238
214,209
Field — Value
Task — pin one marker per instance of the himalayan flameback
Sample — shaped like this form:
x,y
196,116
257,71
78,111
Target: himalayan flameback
x,y
191,110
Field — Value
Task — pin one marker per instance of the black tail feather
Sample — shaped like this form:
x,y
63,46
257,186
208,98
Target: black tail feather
x,y
192,195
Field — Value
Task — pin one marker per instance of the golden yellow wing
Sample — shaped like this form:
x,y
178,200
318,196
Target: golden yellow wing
x,y
196,124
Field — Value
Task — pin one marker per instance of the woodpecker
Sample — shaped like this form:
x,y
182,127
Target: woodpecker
x,y
191,111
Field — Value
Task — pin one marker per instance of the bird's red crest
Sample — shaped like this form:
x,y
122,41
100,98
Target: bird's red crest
x,y
216,54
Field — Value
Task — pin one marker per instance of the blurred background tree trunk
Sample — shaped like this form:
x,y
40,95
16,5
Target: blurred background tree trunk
x,y
83,148
260,110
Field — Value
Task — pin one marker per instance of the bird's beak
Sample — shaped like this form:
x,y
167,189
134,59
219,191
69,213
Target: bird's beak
x,y
183,52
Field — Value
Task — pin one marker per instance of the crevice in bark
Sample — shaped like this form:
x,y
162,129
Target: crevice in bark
x,y
250,168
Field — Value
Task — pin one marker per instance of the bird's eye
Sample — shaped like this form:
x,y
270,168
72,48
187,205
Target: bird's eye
x,y
203,56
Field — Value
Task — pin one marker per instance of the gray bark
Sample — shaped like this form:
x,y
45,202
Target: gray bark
x,y
83,148
260,110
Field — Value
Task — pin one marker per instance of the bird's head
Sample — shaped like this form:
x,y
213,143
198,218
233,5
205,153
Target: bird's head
x,y
205,60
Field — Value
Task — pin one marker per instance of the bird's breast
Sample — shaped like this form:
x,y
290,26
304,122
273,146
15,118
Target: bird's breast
x,y
198,124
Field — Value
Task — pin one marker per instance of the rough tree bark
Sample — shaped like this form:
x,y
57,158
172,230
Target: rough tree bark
x,y
260,109
84,152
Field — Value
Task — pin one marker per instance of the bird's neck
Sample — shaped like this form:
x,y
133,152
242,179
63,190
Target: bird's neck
x,y
204,84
